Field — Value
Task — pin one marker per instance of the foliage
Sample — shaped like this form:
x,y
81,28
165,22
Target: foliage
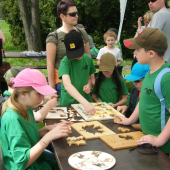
x,y
96,15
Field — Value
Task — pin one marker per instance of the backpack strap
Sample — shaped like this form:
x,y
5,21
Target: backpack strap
x,y
158,91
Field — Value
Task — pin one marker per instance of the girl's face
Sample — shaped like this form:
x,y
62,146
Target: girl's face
x,y
107,74
33,99
72,16
110,41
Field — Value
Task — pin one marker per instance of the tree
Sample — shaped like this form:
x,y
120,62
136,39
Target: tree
x,y
31,23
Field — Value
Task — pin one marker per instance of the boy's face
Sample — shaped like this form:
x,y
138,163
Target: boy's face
x,y
110,41
138,85
142,55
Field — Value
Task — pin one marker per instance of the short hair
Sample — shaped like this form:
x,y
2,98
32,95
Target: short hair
x,y
160,54
148,15
109,34
63,7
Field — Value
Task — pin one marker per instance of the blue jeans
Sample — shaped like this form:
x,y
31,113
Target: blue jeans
x,y
58,88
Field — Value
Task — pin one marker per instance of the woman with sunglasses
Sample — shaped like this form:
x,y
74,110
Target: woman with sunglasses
x,y
55,48
137,75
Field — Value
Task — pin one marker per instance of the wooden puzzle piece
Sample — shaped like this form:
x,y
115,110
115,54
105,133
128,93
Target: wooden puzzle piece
x,y
120,141
79,127
116,119
123,130
76,141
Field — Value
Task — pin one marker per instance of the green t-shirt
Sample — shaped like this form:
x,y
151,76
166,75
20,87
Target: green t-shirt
x,y
17,138
6,93
61,50
108,90
150,106
79,72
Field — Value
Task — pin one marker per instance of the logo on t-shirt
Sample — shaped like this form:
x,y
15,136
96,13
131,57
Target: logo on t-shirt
x,y
148,90
85,67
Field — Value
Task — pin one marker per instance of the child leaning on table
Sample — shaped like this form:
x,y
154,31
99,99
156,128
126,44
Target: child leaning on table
x,y
22,143
109,86
110,37
48,100
150,47
75,70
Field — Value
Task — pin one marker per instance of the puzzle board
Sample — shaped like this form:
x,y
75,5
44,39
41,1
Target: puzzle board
x,y
103,130
103,111
57,113
91,160
118,141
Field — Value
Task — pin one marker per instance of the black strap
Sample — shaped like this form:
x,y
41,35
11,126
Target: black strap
x,y
1,52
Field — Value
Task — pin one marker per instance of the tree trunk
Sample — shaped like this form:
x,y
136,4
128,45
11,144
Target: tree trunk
x,y
31,24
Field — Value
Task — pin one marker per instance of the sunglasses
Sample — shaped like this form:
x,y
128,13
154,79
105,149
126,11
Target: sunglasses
x,y
148,148
138,81
151,1
73,14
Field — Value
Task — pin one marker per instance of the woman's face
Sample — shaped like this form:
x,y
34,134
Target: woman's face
x,y
72,16
33,99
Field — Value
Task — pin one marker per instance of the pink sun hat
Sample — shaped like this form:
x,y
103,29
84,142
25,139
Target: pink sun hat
x,y
34,78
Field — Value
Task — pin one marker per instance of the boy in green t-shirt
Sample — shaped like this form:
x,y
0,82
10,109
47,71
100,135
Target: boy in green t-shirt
x,y
150,46
75,70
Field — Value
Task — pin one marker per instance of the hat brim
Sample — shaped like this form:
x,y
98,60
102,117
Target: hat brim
x,y
131,44
132,78
75,53
45,90
106,68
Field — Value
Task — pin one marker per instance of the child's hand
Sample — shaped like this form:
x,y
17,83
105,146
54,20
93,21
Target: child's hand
x,y
117,64
60,130
122,109
113,105
87,89
124,120
89,108
153,140
52,103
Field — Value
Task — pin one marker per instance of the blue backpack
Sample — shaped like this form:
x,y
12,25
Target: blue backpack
x,y
158,91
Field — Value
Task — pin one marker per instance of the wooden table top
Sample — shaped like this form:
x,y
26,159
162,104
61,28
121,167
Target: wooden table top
x,y
124,159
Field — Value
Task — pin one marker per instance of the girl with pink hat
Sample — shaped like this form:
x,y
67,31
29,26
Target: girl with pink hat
x,y
22,143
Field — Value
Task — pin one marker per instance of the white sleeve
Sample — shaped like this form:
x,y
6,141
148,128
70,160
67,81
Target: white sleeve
x,y
119,55
100,53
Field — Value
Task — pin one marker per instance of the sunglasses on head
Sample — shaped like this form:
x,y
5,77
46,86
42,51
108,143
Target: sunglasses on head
x,y
151,1
138,81
147,148
73,14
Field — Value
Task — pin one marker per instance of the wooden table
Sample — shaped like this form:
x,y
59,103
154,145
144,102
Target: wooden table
x,y
124,159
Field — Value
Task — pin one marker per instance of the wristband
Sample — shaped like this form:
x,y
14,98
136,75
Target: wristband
x,y
44,142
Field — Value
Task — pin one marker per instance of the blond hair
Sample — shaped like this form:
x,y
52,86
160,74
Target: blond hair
x,y
109,34
13,103
148,15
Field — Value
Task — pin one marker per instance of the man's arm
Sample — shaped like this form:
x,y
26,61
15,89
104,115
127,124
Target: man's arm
x,y
76,95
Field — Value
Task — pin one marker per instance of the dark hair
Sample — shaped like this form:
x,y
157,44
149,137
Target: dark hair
x,y
115,79
63,6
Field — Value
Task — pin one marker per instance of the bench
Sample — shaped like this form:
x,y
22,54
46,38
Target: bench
x,y
20,55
